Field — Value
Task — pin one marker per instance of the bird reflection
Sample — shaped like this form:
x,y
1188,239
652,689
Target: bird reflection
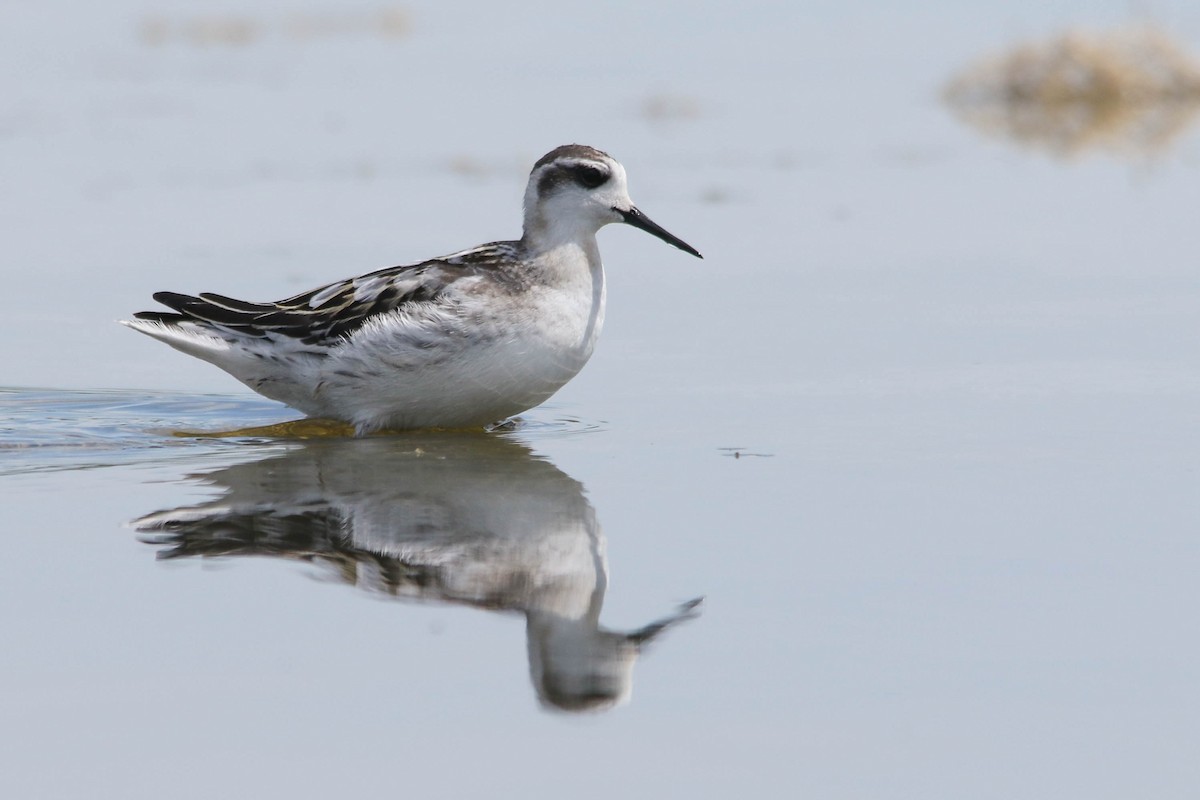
x,y
467,519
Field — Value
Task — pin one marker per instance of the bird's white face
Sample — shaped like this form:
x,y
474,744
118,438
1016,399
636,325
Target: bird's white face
x,y
576,190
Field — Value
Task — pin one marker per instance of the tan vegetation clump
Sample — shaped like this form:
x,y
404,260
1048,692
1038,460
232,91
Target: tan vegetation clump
x,y
1133,89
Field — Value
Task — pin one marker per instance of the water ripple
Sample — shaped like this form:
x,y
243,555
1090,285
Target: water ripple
x,y
59,429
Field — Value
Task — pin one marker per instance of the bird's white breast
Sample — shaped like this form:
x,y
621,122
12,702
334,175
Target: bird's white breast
x,y
483,354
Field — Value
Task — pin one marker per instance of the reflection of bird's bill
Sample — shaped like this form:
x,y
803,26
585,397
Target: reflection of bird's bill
x,y
686,611
576,667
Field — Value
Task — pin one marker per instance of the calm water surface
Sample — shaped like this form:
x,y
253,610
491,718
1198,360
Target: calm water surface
x,y
921,429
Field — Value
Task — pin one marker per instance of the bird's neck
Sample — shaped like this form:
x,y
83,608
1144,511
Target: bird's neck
x,y
562,252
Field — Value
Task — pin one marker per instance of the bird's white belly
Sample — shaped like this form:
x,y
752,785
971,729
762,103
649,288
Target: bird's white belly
x,y
473,371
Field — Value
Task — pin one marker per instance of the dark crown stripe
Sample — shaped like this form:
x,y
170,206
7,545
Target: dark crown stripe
x,y
581,151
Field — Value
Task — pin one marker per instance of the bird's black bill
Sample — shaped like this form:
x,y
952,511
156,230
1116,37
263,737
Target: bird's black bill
x,y
639,220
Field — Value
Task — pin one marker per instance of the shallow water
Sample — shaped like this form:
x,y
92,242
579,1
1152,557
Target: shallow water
x,y
921,429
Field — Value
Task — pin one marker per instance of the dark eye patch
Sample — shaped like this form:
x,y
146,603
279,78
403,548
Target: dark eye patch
x,y
588,176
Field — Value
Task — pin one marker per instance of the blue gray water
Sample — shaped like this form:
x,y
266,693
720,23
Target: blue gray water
x,y
921,429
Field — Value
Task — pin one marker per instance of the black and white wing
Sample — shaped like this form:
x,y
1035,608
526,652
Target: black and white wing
x,y
328,314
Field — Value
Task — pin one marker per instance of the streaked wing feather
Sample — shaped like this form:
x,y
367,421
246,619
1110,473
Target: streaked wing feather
x,y
162,317
328,313
233,304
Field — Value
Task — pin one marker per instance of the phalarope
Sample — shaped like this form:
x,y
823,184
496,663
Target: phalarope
x,y
459,341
